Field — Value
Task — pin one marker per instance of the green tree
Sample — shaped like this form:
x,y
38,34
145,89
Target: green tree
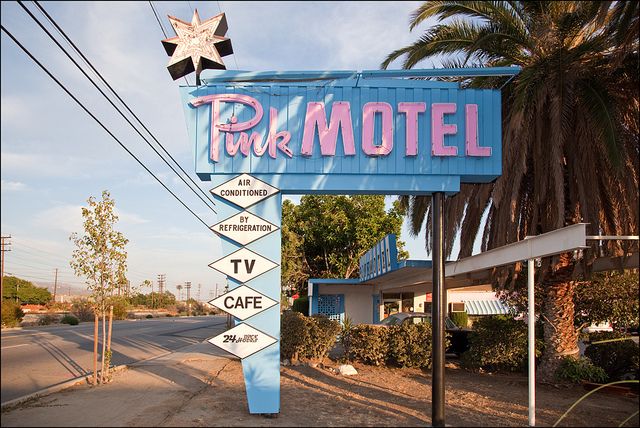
x,y
608,296
325,236
100,258
24,291
570,131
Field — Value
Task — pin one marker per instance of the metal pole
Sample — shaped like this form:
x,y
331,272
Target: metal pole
x,y
437,386
532,342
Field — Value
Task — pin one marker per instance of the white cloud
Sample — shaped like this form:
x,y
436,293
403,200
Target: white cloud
x,y
67,218
13,186
130,218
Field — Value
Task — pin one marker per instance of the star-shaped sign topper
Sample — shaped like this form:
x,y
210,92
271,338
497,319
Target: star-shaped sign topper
x,y
197,46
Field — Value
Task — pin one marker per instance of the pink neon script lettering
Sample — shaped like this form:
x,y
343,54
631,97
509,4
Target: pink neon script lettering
x,y
411,110
471,133
216,126
328,134
369,111
439,129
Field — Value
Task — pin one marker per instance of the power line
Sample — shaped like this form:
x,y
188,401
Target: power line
x,y
54,23
162,28
64,88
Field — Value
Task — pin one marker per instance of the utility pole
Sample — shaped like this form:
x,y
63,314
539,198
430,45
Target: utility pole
x,y
55,286
187,285
216,289
5,247
161,281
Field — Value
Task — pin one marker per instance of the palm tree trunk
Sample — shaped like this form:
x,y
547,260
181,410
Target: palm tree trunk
x,y
560,336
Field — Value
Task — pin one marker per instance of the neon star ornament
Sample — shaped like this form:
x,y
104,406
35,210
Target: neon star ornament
x,y
198,45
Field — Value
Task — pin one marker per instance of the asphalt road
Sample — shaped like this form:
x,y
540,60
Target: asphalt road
x,y
35,358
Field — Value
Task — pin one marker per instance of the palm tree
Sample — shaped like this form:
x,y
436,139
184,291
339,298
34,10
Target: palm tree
x,y
570,127
179,288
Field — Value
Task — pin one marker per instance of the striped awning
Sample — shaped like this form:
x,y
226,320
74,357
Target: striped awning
x,y
485,307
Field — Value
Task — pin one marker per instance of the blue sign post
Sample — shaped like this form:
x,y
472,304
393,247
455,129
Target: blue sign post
x,y
339,132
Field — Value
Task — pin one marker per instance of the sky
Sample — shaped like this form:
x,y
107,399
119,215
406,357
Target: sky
x,y
54,156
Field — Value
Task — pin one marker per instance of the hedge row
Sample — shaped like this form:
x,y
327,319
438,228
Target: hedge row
x,y
407,345
304,337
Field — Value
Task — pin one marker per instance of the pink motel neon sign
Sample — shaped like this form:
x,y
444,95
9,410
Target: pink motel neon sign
x,y
340,122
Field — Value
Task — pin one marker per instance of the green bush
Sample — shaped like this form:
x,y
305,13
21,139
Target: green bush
x,y
410,345
498,343
69,319
120,308
301,304
577,370
461,319
47,320
618,358
82,309
306,337
369,344
11,313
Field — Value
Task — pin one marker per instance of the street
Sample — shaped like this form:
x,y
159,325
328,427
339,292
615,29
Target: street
x,y
34,358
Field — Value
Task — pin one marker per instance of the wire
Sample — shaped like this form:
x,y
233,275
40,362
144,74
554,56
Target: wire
x,y
64,88
118,97
234,55
162,28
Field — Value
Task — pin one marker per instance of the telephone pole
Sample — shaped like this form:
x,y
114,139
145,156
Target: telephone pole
x,y
5,247
55,286
187,285
161,281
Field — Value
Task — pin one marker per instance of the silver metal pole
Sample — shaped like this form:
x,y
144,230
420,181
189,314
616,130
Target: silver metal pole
x,y
532,341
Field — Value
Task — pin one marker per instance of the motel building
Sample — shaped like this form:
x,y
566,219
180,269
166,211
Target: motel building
x,y
387,286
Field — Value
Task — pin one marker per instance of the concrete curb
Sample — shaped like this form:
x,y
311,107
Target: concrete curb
x,y
55,388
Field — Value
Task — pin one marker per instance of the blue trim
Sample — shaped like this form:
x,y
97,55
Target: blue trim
x,y
444,72
316,281
376,308
427,264
314,300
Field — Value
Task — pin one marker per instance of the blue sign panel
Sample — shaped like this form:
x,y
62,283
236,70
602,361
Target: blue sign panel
x,y
380,259
342,133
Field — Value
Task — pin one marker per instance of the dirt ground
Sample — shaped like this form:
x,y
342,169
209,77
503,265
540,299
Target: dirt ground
x,y
402,397
199,389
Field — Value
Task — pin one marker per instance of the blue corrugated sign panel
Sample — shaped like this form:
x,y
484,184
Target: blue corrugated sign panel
x,y
345,133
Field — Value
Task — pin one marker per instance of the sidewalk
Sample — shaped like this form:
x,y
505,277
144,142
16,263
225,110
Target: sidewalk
x,y
202,386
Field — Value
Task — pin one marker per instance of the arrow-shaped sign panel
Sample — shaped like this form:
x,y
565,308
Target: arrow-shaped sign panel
x,y
242,340
244,190
244,227
243,302
243,265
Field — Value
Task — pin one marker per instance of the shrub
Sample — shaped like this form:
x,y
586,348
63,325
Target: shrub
x,y
461,319
410,345
577,370
120,308
82,309
149,316
369,344
69,319
345,336
301,304
306,337
293,334
47,320
498,343
618,358
11,313
323,333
